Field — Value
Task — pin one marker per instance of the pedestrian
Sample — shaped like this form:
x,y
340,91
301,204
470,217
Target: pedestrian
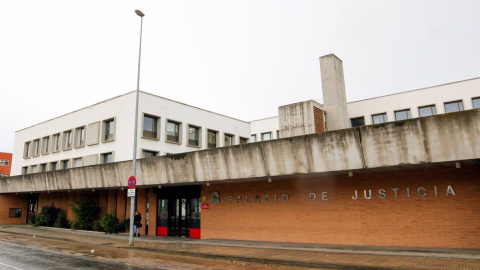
x,y
137,223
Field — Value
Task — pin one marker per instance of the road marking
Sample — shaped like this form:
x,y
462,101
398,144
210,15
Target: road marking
x,y
13,267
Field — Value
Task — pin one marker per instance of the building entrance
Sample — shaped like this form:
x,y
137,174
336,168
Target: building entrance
x,y
179,212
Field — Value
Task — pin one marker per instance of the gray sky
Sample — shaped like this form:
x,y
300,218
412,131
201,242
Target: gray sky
x,y
238,58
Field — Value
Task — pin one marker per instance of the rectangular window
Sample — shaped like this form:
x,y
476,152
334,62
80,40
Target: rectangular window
x,y
2,175
45,145
108,130
253,138
150,126
193,136
65,164
427,110
67,140
36,147
107,157
43,167
4,162
278,134
243,140
229,140
454,106
379,118
53,166
147,153
267,136
56,142
358,121
77,162
26,150
173,131
476,103
80,136
34,169
212,139
24,170
15,213
402,115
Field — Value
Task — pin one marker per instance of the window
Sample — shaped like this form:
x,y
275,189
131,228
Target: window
x,y
80,136
107,158
24,170
77,162
45,145
229,140
108,130
65,164
193,136
2,175
147,153
402,115
476,103
243,140
278,134
26,150
454,106
253,138
33,169
358,121
150,126
427,110
267,136
43,167
56,142
67,140
4,162
36,147
212,139
53,166
15,213
379,118
173,131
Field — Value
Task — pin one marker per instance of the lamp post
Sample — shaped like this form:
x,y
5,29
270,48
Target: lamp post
x,y
134,160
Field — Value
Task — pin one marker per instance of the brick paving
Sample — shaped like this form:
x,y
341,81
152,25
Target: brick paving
x,y
273,255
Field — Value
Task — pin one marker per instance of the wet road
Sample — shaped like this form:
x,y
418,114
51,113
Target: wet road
x,y
23,257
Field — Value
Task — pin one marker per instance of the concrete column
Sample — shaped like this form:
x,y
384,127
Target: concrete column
x,y
334,96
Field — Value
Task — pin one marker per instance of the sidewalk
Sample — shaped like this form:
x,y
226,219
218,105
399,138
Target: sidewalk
x,y
273,253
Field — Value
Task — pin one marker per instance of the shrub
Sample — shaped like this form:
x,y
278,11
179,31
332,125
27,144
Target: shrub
x,y
109,222
85,213
47,216
124,225
96,226
32,218
61,221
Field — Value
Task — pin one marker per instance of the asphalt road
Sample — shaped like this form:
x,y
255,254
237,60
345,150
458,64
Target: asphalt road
x,y
29,257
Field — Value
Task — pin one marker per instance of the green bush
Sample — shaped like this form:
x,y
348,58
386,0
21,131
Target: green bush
x,y
109,222
124,225
85,212
47,216
96,226
32,218
61,221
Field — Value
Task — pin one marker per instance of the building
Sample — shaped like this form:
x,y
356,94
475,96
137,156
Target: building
x,y
5,164
413,182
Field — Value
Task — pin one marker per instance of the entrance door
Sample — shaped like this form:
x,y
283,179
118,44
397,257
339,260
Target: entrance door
x,y
179,212
32,205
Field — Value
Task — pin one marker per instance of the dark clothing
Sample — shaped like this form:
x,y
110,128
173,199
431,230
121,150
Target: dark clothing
x,y
137,219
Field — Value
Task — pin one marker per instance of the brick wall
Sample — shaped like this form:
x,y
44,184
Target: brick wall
x,y
5,169
8,201
319,121
435,220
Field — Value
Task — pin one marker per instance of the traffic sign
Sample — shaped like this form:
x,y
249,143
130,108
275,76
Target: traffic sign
x,y
131,192
132,182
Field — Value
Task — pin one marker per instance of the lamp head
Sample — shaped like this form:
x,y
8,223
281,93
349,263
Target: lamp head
x,y
139,13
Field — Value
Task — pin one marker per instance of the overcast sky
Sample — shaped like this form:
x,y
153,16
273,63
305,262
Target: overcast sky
x,y
238,58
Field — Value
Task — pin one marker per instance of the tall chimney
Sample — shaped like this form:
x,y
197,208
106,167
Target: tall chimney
x,y
334,96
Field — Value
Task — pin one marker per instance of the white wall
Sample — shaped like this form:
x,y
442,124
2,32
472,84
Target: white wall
x,y
265,125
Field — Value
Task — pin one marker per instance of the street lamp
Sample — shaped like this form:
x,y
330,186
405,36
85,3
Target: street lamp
x,y
134,160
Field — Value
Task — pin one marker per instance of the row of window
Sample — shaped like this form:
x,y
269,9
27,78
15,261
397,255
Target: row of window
x,y
423,111
151,130
66,164
4,162
2,175
266,136
70,138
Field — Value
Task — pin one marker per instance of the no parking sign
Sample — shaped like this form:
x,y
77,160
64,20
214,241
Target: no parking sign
x,y
132,182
